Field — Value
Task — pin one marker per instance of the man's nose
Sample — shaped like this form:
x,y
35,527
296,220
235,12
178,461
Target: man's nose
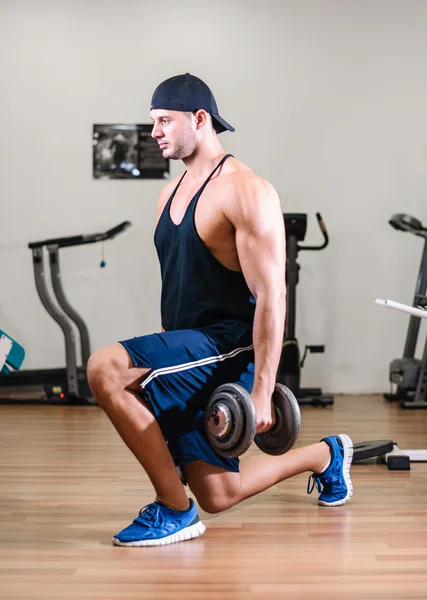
x,y
156,131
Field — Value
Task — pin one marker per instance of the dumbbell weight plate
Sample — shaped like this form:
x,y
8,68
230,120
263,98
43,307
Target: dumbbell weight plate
x,y
282,436
230,420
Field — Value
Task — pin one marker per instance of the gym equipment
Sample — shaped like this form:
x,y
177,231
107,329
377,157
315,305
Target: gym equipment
x,y
11,354
365,450
397,459
230,421
283,435
400,459
6,344
408,373
289,370
69,384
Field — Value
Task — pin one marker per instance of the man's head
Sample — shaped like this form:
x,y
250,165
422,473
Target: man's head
x,y
183,109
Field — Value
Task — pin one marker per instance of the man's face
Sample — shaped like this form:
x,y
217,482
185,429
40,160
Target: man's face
x,y
175,133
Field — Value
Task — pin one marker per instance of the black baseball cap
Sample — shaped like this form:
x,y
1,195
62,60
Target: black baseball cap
x,y
188,93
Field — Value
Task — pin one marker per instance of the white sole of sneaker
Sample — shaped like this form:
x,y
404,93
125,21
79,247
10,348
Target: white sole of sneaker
x,y
188,533
348,457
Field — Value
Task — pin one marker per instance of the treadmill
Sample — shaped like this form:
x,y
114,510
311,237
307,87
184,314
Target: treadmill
x,y
66,385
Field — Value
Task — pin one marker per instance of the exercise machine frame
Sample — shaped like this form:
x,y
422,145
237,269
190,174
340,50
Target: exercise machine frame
x,y
409,373
289,371
398,459
60,385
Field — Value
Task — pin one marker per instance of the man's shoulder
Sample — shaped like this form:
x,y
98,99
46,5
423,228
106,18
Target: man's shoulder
x,y
245,180
249,194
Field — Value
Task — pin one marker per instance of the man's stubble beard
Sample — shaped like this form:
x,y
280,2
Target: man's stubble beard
x,y
184,148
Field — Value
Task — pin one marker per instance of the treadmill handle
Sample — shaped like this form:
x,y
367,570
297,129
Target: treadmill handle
x,y
111,233
79,240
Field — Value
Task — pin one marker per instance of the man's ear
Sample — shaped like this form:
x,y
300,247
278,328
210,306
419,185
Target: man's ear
x,y
202,119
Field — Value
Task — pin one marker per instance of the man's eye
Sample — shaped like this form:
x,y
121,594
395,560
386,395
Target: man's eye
x,y
165,121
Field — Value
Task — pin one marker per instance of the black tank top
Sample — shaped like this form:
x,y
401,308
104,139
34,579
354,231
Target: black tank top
x,y
197,290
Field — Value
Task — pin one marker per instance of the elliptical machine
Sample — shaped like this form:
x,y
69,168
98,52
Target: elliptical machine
x,y
289,370
410,373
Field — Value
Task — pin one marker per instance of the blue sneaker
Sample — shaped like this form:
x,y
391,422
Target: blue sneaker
x,y
157,525
334,482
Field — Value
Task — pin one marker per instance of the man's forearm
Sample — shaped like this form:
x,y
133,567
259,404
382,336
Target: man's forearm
x,y
269,323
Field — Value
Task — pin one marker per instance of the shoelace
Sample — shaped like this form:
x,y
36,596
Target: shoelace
x,y
314,480
323,484
151,515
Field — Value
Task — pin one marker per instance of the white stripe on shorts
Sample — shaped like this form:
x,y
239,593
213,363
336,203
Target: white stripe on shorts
x,y
195,363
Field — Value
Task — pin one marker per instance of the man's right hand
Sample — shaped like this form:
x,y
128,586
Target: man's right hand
x,y
265,413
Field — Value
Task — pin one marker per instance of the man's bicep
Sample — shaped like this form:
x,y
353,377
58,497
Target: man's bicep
x,y
260,242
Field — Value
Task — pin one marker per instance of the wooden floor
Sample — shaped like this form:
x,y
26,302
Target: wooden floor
x,y
68,484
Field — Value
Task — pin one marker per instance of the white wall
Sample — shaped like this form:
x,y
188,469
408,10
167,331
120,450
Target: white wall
x,y
329,100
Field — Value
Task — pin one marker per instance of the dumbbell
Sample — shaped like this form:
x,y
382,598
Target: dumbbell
x,y
230,421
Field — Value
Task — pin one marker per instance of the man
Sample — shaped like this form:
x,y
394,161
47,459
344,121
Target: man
x,y
221,244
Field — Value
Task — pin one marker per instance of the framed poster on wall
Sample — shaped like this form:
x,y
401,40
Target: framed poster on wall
x,y
127,152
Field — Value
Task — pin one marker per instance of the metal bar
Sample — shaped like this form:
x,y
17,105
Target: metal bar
x,y
414,322
291,284
66,306
67,330
324,233
412,310
420,399
79,240
416,454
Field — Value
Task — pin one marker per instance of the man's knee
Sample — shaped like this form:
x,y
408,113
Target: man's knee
x,y
214,504
106,368
214,488
216,498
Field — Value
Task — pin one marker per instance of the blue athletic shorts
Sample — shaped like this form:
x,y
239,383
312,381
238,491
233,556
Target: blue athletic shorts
x,y
187,365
